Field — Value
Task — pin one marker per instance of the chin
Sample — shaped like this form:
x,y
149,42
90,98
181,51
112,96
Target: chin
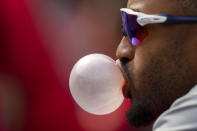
x,y
140,115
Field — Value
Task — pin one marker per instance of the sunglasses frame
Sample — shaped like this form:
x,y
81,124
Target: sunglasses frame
x,y
144,19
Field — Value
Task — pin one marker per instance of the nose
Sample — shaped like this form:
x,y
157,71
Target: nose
x,y
125,50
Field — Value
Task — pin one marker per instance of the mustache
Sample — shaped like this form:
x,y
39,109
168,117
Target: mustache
x,y
124,63
129,74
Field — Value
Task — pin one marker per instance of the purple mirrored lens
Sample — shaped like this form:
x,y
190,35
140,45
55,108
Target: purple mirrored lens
x,y
131,27
135,41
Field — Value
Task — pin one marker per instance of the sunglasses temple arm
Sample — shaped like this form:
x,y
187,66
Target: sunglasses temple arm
x,y
179,19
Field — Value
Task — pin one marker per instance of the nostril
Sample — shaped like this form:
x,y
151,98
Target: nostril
x,y
125,50
124,60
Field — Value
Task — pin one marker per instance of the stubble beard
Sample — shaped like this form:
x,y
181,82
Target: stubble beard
x,y
163,81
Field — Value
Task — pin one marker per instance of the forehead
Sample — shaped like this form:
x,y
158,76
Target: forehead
x,y
153,6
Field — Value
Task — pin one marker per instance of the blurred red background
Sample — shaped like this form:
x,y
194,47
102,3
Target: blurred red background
x,y
39,43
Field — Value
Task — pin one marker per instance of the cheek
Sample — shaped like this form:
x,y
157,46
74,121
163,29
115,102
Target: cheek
x,y
152,47
141,60
153,50
144,63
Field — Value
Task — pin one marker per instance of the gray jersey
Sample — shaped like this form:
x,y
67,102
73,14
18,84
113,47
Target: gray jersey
x,y
181,116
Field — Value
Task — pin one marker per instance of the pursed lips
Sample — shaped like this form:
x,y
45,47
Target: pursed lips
x,y
126,87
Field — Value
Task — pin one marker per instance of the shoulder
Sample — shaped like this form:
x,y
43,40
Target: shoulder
x,y
181,116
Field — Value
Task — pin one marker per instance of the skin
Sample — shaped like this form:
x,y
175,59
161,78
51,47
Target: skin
x,y
163,67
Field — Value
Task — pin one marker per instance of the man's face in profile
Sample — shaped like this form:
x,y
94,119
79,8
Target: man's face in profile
x,y
158,69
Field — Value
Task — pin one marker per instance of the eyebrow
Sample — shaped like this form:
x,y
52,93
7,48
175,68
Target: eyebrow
x,y
134,9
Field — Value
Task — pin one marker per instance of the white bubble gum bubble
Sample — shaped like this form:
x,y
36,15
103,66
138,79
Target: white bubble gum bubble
x,y
96,84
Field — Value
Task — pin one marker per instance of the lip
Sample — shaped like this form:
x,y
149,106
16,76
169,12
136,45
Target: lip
x,y
125,90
